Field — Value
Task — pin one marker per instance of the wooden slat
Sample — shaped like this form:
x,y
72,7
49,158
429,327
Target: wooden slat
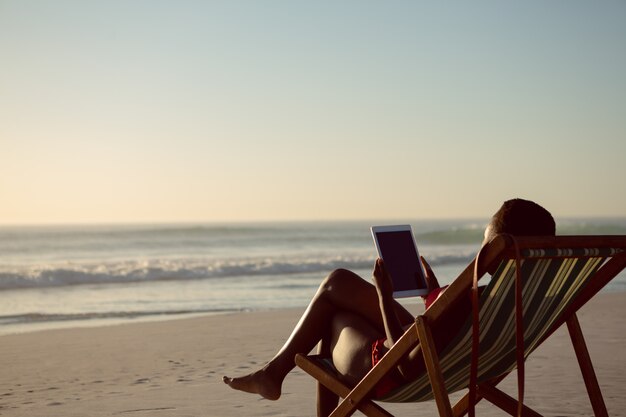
x,y
432,366
400,349
460,286
335,385
504,401
584,360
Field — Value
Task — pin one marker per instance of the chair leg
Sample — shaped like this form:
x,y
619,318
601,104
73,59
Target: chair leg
x,y
504,401
432,366
461,408
584,360
369,408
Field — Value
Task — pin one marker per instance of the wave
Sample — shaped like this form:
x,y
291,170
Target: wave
x,y
171,270
454,236
130,271
64,256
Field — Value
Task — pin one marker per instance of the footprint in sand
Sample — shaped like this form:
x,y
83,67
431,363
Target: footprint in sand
x,y
141,381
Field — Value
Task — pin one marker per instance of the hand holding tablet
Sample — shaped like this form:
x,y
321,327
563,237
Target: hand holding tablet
x,y
396,246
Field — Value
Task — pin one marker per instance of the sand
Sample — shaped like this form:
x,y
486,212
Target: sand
x,y
174,368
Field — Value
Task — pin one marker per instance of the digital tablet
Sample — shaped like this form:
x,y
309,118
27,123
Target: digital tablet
x,y
396,246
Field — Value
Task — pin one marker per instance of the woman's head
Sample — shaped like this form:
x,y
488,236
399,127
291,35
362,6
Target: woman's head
x,y
520,218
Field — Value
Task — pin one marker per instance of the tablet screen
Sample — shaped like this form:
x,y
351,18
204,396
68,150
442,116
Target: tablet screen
x,y
396,246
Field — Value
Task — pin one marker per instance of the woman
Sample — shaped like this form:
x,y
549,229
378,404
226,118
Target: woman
x,y
355,323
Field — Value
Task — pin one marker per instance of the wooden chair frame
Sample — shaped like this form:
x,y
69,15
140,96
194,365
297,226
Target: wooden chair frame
x,y
419,336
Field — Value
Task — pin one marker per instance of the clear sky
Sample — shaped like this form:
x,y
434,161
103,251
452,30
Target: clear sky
x,y
144,110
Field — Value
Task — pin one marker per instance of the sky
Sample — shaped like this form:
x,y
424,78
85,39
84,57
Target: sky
x,y
209,111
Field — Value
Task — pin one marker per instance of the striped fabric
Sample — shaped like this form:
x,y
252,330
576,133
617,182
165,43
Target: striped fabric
x,y
546,253
550,283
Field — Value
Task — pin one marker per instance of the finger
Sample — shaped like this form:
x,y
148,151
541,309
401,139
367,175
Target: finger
x,y
427,268
383,270
376,271
431,280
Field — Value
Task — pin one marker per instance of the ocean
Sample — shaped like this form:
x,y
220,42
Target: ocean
x,y
89,275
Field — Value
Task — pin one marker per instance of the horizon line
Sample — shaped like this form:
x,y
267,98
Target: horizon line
x,y
276,221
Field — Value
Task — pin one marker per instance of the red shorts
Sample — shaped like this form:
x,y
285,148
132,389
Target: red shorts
x,y
390,381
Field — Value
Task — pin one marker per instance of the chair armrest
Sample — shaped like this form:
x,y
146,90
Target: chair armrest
x,y
492,253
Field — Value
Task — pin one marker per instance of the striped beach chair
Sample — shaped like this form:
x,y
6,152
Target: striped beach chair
x,y
538,285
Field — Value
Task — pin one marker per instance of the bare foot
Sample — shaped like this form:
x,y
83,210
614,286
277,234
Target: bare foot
x,y
258,382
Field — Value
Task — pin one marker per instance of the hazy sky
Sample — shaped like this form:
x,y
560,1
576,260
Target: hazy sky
x,y
267,110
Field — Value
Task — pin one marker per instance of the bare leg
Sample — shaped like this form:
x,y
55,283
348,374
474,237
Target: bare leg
x,y
350,347
341,291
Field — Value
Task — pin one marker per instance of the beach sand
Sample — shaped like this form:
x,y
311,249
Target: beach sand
x,y
175,368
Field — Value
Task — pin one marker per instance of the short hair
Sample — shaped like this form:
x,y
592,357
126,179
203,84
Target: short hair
x,y
520,217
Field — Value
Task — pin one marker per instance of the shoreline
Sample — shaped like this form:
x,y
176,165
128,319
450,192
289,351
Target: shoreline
x,y
44,326
174,368
129,318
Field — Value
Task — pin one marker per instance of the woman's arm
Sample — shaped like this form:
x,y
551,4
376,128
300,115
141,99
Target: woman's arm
x,y
384,287
393,327
434,289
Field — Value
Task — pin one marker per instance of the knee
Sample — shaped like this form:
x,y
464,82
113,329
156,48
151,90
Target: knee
x,y
341,281
335,278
